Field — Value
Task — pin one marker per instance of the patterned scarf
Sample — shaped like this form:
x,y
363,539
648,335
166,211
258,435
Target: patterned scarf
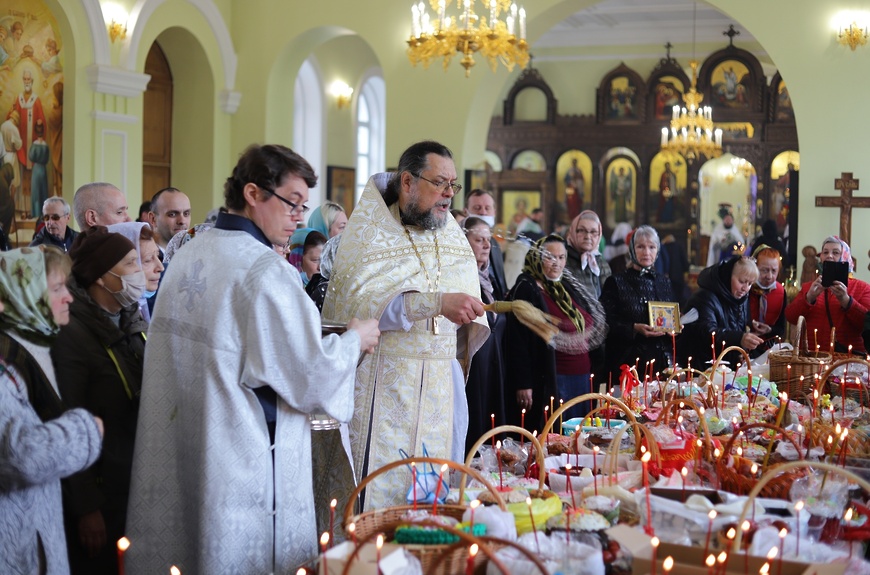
x,y
846,255
24,293
534,266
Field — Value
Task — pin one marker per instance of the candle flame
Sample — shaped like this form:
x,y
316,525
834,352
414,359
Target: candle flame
x,y
746,525
722,557
333,503
380,542
772,553
684,472
712,514
472,551
654,542
646,457
848,516
475,504
711,560
596,449
529,502
444,468
301,571
668,563
732,533
498,444
783,532
324,539
798,506
764,569
123,544
173,570
754,468
351,528
524,411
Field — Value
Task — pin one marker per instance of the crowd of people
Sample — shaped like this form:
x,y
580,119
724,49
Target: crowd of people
x,y
162,393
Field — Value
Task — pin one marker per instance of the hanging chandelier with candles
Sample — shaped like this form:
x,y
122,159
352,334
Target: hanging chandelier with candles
x,y
444,35
692,133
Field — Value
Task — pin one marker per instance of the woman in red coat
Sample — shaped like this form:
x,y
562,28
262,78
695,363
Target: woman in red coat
x,y
767,299
836,306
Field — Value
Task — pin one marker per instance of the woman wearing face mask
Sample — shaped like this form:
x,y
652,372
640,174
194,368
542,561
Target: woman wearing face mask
x,y
99,359
625,299
140,234
535,371
723,309
840,306
767,299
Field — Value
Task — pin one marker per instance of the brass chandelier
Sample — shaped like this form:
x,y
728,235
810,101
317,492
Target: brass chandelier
x,y
692,133
466,33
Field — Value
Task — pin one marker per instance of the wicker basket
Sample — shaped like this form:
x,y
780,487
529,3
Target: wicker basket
x,y
534,450
856,393
368,524
802,361
735,479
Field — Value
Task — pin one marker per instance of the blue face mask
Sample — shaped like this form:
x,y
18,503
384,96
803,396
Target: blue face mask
x,y
149,294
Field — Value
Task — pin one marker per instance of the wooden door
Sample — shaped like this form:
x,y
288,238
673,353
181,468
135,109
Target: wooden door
x,y
157,130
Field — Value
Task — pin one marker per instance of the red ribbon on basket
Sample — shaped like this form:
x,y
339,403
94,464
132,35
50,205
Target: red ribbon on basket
x,y
627,379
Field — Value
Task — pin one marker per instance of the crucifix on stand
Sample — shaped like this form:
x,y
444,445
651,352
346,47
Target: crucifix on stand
x,y
846,184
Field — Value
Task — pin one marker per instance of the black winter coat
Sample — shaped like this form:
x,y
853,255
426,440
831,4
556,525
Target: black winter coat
x,y
718,311
625,299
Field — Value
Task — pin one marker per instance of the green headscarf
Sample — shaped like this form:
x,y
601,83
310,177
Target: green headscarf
x,y
534,266
24,293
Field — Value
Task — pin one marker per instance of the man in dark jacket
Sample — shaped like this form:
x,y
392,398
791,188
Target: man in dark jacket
x,y
56,231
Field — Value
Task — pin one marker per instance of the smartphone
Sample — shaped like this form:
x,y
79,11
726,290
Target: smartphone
x,y
835,272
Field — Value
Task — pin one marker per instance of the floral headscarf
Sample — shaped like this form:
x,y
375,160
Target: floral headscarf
x,y
181,238
534,266
24,293
846,255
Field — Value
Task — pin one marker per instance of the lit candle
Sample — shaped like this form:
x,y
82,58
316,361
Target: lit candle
x,y
721,561
173,570
713,345
561,401
711,516
378,545
782,533
522,23
711,561
351,529
847,518
674,350
492,419
816,340
324,545
570,485
532,518
332,505
645,460
668,564
472,553
438,489
664,136
551,403
474,505
797,509
523,425
684,472
654,543
123,545
546,419
844,446
595,468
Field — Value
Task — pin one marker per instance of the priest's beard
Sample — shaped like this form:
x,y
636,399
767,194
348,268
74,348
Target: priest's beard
x,y
413,215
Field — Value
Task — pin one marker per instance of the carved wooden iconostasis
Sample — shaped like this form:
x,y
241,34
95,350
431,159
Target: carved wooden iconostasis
x,y
611,162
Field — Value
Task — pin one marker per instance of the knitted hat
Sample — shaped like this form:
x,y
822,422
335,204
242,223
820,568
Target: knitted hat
x,y
96,251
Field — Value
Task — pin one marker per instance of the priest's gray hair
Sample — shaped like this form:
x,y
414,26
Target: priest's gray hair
x,y
414,160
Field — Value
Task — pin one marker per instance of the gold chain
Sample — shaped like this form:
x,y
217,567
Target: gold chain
x,y
426,271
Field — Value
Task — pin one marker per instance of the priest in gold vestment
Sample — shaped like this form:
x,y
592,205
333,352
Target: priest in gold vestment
x,y
404,260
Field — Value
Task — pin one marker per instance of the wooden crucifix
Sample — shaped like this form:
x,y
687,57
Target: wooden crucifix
x,y
846,184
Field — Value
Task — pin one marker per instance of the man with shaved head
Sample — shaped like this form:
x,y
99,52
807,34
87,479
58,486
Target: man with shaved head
x,y
99,204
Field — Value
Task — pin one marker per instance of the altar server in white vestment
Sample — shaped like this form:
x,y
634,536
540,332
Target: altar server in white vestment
x,y
404,260
235,362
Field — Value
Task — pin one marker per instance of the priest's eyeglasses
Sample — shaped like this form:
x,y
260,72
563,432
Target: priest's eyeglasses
x,y
294,208
442,186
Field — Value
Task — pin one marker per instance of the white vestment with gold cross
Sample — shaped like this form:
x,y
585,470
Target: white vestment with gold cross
x,y
404,396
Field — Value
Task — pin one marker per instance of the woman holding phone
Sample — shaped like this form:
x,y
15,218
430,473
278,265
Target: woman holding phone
x,y
839,305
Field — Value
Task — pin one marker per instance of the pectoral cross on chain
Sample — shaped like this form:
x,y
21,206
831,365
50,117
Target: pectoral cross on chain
x,y
846,184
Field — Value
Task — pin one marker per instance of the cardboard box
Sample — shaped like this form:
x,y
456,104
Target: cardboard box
x,y
690,560
394,559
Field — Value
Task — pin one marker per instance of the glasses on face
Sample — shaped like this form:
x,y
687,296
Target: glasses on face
x,y
295,209
442,186
52,217
583,232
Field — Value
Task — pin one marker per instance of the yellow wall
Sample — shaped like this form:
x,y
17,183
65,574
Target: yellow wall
x,y
271,38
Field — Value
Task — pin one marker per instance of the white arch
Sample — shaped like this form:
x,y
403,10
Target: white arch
x,y
99,36
142,11
308,121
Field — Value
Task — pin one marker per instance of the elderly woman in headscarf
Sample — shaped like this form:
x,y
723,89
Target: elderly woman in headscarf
x,y
142,237
39,442
485,387
329,219
626,298
585,262
840,306
534,370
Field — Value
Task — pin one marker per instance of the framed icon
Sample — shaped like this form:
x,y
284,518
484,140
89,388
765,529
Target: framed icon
x,y
665,316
